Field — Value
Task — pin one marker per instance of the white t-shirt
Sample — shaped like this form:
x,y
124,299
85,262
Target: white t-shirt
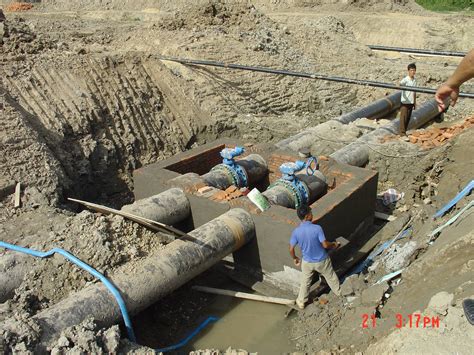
x,y
408,97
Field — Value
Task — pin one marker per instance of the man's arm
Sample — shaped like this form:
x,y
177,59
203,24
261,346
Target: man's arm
x,y
325,243
330,245
296,260
450,88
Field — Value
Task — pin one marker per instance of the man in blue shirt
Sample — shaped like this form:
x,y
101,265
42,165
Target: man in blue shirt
x,y
313,244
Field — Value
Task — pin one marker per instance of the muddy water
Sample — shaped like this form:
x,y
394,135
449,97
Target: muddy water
x,y
250,325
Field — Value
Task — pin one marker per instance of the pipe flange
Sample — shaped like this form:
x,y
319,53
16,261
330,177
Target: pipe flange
x,y
242,175
292,189
303,191
236,173
227,171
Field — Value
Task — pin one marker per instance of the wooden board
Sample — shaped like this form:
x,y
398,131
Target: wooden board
x,y
343,241
247,296
153,225
17,201
384,216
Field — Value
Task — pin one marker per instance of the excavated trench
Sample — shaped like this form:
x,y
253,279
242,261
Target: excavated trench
x,y
103,117
99,118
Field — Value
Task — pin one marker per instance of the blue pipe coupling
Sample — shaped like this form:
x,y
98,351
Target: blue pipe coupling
x,y
295,187
235,172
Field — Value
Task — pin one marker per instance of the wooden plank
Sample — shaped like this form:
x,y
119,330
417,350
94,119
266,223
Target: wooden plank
x,y
17,201
343,241
153,225
385,217
247,296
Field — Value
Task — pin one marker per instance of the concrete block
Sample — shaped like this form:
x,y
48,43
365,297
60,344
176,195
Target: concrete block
x,y
374,294
440,302
353,285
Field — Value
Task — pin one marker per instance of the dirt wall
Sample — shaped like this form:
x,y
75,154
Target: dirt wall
x,y
172,5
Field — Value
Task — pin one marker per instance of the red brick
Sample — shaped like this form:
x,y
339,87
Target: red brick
x,y
231,189
219,196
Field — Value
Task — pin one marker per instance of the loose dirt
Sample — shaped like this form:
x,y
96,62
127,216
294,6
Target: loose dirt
x,y
86,100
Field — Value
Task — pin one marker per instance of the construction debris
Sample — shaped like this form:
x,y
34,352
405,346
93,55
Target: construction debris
x,y
18,6
434,137
440,303
373,295
232,192
17,197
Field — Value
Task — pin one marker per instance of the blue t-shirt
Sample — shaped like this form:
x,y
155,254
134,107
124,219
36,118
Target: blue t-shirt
x,y
309,238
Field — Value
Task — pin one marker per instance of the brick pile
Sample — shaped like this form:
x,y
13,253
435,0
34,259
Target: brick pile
x,y
434,137
232,192
18,6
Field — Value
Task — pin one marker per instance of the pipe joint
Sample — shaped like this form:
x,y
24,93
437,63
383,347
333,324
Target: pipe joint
x,y
235,172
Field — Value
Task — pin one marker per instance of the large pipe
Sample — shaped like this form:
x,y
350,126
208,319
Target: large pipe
x,y
169,207
152,278
283,196
377,109
254,165
357,152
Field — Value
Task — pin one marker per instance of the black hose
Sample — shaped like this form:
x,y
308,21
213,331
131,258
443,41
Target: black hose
x,y
308,75
419,51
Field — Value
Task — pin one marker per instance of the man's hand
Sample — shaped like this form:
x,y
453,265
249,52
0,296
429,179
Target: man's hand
x,y
297,261
330,245
443,92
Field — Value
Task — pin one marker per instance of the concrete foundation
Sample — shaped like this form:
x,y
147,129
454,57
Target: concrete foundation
x,y
346,209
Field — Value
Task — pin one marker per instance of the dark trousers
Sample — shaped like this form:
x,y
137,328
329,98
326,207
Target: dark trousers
x,y
405,115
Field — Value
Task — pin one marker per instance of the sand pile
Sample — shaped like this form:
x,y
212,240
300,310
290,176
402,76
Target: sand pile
x,y
215,13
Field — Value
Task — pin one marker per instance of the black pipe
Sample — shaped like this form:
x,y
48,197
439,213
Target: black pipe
x,y
308,75
282,196
419,51
357,152
377,109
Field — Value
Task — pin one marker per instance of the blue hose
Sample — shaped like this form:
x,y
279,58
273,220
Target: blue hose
x,y
459,196
83,265
189,337
368,261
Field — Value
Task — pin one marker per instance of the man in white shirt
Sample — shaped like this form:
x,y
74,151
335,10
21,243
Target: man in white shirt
x,y
408,99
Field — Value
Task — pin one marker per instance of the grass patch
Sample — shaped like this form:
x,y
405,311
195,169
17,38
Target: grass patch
x,y
447,5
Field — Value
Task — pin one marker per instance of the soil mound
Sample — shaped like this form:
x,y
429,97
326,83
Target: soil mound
x,y
19,38
332,24
103,242
215,13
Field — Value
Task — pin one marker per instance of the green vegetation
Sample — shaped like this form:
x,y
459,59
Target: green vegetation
x,y
447,5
